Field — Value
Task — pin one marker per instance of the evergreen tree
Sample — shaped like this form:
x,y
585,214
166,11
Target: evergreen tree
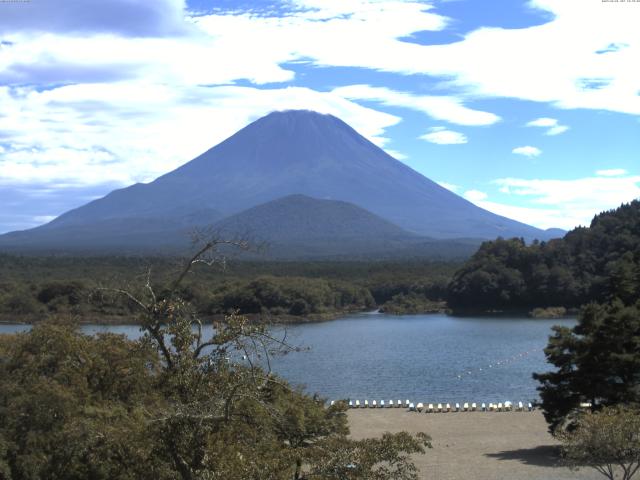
x,y
597,362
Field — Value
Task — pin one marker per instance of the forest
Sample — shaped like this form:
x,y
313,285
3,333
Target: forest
x,y
172,405
33,287
595,264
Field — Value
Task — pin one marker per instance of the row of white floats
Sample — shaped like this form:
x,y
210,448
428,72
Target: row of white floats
x,y
443,407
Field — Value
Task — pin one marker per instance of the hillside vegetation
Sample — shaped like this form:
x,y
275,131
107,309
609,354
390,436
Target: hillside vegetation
x,y
594,264
35,287
177,403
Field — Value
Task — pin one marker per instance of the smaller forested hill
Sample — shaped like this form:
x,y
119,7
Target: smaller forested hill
x,y
597,263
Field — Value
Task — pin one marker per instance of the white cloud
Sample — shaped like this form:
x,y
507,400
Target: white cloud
x,y
442,136
38,219
539,217
395,154
540,63
446,108
558,203
475,195
132,132
449,186
557,130
386,11
613,172
144,106
527,151
569,202
554,128
543,122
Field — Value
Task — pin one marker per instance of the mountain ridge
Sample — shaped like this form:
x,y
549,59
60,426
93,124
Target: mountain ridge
x,y
281,154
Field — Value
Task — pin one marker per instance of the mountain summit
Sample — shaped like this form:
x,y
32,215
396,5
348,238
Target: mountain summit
x,y
286,153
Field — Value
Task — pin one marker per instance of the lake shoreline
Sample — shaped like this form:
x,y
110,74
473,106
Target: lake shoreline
x,y
254,318
285,319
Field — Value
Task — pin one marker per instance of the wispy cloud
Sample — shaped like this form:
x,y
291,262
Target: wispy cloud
x,y
577,200
613,172
551,124
541,217
64,130
557,203
450,186
446,108
442,136
475,195
395,154
534,63
527,151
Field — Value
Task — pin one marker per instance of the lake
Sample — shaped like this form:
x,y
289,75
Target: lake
x,y
429,358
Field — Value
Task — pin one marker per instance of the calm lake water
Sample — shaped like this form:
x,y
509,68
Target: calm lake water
x,y
432,358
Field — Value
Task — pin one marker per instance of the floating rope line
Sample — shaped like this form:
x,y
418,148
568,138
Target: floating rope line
x,y
497,363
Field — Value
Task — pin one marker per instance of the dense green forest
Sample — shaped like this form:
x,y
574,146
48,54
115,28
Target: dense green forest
x,y
32,287
174,405
598,264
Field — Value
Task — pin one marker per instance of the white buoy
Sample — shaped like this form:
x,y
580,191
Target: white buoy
x,y
457,407
366,404
430,408
412,407
357,403
374,404
473,407
439,407
465,407
419,406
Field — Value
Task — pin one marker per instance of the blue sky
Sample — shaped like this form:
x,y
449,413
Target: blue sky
x,y
530,109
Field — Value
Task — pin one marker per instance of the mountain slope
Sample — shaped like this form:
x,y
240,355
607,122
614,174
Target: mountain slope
x,y
301,227
300,219
285,153
111,235
298,226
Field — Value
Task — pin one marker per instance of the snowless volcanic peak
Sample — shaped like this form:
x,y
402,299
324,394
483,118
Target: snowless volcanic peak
x,y
293,152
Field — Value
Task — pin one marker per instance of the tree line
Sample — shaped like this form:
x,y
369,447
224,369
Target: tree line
x,y
598,263
33,287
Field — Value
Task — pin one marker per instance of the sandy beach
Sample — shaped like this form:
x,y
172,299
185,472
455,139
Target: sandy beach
x,y
474,445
